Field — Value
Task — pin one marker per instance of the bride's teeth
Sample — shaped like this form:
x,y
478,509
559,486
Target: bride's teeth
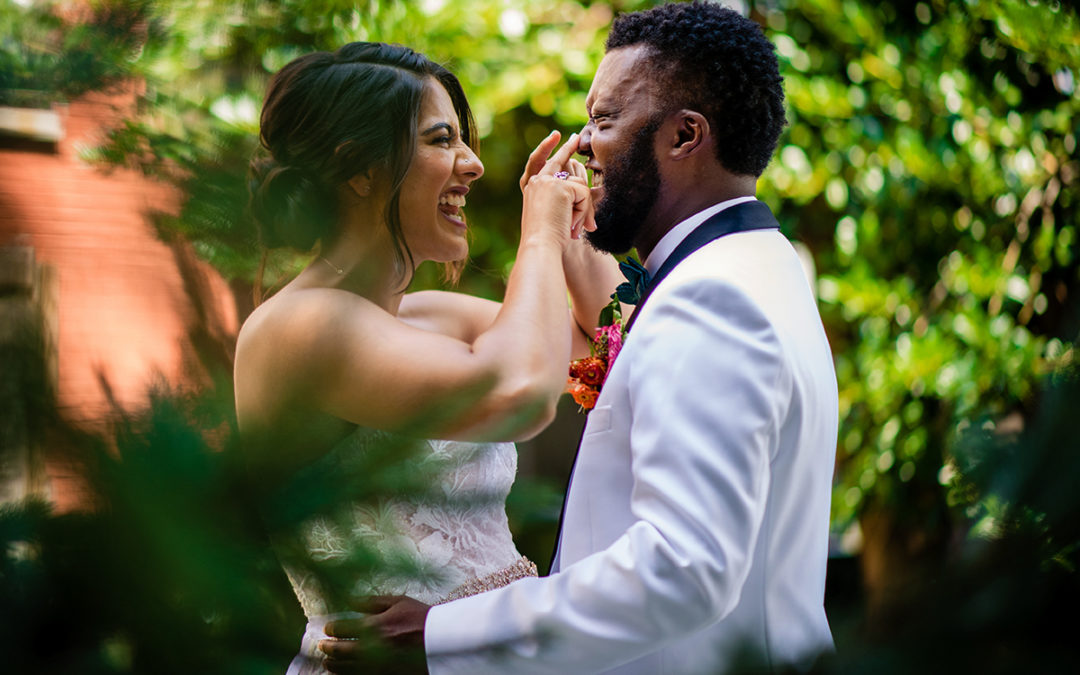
x,y
452,199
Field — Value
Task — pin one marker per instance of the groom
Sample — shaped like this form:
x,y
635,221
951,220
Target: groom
x,y
696,524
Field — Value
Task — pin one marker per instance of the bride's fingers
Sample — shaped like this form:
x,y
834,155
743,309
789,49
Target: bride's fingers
x,y
578,170
583,208
539,162
576,228
562,155
538,157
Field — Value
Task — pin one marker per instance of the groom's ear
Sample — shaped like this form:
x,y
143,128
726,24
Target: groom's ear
x,y
688,134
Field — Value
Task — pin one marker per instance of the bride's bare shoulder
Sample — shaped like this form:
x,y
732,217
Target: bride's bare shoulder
x,y
293,337
295,330
303,311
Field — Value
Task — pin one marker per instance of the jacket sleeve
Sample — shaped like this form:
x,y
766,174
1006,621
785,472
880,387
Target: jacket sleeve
x,y
707,390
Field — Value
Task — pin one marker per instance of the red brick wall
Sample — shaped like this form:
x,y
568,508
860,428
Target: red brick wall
x,y
124,309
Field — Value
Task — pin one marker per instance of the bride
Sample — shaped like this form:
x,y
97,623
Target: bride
x,y
369,162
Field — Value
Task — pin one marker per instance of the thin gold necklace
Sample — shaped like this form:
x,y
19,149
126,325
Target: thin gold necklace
x,y
332,266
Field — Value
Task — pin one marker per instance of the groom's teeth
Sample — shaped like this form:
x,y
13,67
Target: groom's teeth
x,y
452,199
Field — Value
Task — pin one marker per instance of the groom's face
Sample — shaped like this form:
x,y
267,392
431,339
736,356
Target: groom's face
x,y
618,142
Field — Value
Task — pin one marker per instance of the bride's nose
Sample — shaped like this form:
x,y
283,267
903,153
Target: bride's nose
x,y
470,165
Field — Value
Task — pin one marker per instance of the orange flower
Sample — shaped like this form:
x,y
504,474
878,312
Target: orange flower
x,y
584,395
591,371
587,375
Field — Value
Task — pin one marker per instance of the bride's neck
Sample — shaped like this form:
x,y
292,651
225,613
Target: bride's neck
x,y
362,261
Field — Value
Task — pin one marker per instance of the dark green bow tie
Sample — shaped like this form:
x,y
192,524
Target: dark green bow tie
x,y
637,281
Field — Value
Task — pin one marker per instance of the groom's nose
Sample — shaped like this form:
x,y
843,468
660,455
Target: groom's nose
x,y
585,142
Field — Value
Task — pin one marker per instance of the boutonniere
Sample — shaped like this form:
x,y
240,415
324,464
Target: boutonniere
x,y
587,375
637,281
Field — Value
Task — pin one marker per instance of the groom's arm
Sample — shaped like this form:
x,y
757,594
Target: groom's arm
x,y
706,388
590,278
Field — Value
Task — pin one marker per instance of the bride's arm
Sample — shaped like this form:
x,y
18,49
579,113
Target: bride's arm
x,y
450,313
591,276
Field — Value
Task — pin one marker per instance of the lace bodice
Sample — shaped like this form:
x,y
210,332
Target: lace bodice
x,y
456,533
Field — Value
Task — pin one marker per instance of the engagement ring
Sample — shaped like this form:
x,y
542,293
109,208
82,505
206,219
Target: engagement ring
x,y
562,175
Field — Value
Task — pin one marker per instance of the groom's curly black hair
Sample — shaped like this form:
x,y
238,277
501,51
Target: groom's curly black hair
x,y
713,60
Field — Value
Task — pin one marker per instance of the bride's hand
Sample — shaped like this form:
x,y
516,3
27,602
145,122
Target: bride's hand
x,y
559,168
539,157
584,215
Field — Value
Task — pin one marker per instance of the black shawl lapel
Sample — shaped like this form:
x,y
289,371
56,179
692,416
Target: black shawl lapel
x,y
742,217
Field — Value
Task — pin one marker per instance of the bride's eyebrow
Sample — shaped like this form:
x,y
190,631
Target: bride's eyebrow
x,y
435,127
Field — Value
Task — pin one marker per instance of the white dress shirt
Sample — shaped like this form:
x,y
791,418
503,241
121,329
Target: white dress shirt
x,y
670,241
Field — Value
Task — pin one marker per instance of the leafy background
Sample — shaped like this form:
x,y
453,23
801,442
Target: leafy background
x,y
930,170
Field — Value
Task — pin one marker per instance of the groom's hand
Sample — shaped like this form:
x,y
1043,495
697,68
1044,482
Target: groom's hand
x,y
394,618
397,619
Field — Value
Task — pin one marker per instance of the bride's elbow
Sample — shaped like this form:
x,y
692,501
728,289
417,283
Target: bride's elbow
x,y
536,420
528,408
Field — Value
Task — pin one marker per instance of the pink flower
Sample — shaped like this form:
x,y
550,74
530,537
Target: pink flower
x,y
609,340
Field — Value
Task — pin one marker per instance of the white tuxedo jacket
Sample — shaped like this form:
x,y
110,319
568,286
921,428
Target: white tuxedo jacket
x,y
696,523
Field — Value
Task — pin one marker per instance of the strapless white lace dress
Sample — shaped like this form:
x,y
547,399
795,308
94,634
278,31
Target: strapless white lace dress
x,y
456,539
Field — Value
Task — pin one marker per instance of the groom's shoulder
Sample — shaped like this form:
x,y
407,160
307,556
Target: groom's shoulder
x,y
743,258
754,275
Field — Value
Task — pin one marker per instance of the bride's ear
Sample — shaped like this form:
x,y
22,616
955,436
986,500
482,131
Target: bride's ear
x,y
361,184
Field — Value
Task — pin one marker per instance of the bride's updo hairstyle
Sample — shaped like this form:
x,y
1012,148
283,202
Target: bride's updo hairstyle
x,y
330,116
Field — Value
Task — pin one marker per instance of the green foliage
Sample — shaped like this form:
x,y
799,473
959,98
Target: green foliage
x,y
44,57
169,567
168,572
994,605
931,166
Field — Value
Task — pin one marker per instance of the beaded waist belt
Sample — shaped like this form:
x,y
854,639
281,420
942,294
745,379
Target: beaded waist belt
x,y
522,567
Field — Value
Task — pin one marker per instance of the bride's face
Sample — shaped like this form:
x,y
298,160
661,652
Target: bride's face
x,y
433,194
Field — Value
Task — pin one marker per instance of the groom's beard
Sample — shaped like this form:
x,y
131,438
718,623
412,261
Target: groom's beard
x,y
631,187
